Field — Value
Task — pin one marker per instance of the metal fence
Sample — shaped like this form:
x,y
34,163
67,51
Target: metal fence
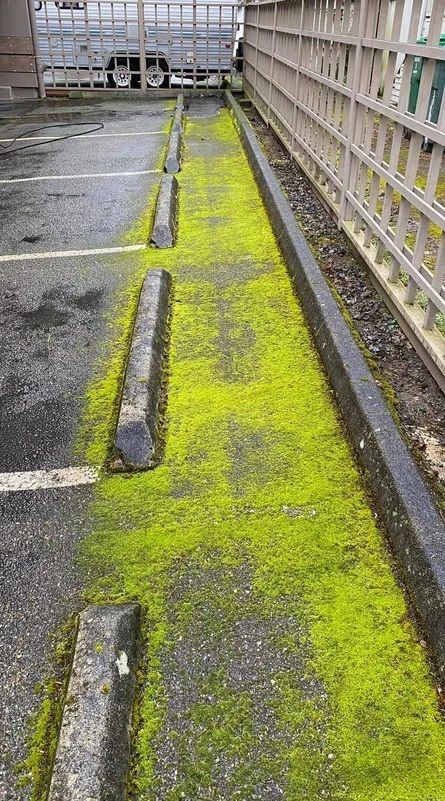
x,y
356,98
135,44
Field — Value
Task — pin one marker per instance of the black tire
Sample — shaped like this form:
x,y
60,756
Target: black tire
x,y
157,74
127,66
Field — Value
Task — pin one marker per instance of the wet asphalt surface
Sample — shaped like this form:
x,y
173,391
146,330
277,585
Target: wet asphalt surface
x,y
53,319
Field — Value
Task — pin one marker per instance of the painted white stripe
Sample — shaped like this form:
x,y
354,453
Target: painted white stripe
x,y
84,136
83,175
64,254
48,479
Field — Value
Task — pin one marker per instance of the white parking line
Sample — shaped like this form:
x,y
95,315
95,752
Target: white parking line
x,y
83,175
48,479
84,136
63,254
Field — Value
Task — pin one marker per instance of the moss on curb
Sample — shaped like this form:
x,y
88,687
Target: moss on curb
x,y
95,435
256,518
256,472
35,770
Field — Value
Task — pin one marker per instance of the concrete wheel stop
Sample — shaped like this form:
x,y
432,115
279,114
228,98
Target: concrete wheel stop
x,y
164,227
406,506
136,441
93,750
173,159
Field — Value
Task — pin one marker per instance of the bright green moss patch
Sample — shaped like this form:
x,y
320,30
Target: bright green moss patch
x,y
94,439
35,771
279,651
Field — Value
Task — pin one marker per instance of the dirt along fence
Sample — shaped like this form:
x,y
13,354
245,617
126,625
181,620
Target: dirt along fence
x,y
354,89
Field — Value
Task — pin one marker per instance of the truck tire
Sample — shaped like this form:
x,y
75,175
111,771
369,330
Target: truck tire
x,y
157,74
121,77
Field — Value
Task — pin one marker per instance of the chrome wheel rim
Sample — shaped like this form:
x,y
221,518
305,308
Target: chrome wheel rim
x,y
155,76
122,77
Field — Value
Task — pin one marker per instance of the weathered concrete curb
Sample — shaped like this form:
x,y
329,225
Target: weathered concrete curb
x,y
173,159
93,751
164,226
405,503
177,122
136,437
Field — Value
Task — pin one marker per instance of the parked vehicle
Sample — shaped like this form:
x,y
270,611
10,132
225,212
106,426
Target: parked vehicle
x,y
102,41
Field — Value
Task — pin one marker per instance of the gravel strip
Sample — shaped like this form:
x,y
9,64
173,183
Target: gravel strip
x,y
226,668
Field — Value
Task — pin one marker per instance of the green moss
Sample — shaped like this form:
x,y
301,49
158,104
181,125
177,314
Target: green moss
x,y
256,477
44,727
94,438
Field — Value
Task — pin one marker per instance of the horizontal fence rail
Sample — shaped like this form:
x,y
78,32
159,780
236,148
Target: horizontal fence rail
x,y
136,44
354,89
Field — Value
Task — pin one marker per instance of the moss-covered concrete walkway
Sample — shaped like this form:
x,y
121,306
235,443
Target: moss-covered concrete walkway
x,y
280,657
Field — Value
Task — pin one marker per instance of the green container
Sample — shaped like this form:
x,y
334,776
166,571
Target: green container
x,y
436,87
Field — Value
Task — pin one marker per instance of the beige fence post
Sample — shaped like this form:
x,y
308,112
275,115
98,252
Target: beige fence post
x,y
355,117
299,7
256,52
272,59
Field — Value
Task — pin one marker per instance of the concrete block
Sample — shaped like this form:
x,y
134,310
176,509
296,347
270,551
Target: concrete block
x,y
93,751
136,437
164,226
173,159
177,122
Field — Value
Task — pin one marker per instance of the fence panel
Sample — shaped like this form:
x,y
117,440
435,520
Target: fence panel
x,y
357,100
136,44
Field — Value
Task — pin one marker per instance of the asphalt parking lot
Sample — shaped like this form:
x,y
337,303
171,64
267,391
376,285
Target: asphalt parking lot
x,y
65,209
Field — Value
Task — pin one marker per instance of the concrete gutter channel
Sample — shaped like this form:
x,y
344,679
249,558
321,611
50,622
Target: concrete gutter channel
x,y
94,744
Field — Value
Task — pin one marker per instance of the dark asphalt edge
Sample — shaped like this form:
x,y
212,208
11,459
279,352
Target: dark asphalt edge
x,y
93,749
137,441
163,233
405,504
173,158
